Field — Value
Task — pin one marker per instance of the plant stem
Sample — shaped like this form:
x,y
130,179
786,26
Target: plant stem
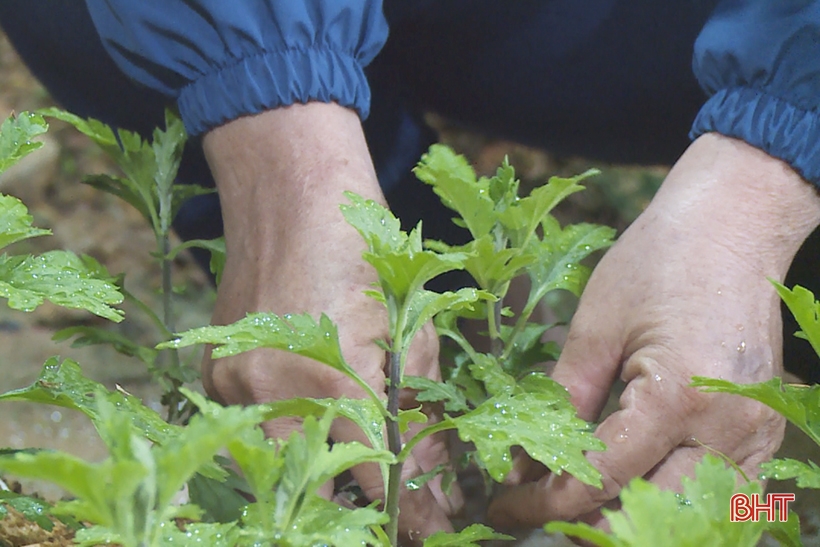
x,y
494,322
394,445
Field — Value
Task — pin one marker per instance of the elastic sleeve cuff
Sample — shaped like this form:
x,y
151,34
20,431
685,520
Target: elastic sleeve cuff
x,y
269,80
777,127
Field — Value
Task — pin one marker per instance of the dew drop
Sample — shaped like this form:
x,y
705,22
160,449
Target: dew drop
x,y
741,348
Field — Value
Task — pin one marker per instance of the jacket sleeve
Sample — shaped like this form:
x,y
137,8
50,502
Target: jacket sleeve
x,y
759,60
223,59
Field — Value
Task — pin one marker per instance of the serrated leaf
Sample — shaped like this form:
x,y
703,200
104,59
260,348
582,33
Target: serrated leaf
x,y
322,522
558,257
299,334
454,181
423,305
125,189
410,416
200,534
487,370
788,532
527,350
799,404
805,309
493,268
543,424
432,391
15,222
469,537
97,131
220,501
63,384
89,336
215,246
33,509
521,219
378,227
195,446
806,473
651,516
58,276
16,136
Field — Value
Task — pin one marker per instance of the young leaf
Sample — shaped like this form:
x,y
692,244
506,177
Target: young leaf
x,y
799,404
806,473
322,522
215,246
526,350
454,181
15,222
544,424
651,516
16,136
58,276
806,311
125,189
33,509
469,537
400,259
558,256
788,532
432,391
63,384
491,268
522,219
487,370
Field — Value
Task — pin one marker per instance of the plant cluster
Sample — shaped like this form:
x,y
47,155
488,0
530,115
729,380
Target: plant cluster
x,y
496,400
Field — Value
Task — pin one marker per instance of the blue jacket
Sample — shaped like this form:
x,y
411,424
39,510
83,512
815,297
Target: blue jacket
x,y
758,60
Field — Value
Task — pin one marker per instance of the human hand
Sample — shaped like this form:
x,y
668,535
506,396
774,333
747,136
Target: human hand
x,y
280,176
683,293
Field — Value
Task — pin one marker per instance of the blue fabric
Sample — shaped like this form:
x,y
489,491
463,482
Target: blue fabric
x,y
760,62
222,60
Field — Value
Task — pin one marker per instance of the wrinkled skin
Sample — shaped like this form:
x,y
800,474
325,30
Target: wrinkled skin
x,y
281,175
682,293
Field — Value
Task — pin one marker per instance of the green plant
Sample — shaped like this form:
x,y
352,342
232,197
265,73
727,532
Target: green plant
x,y
495,400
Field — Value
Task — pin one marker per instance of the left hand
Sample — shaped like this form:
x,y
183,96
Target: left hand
x,y
683,293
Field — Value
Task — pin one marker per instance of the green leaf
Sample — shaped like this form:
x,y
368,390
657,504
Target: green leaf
x,y
788,532
63,384
806,473
15,222
799,404
651,516
433,391
33,509
806,311
423,305
58,276
526,214
215,246
322,522
16,136
200,534
454,181
487,370
125,189
299,334
89,336
469,537
220,501
97,131
527,350
558,257
412,415
491,268
543,423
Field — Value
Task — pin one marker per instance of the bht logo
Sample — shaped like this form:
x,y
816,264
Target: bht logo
x,y
749,507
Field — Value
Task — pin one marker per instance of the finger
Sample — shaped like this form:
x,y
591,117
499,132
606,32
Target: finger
x,y
681,462
588,366
637,438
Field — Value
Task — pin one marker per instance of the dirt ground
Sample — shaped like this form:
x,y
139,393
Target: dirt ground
x,y
87,221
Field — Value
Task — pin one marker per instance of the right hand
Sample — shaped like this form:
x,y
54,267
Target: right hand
x,y
290,251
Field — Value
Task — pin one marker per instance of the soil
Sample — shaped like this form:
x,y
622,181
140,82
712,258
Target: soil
x,y
87,221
